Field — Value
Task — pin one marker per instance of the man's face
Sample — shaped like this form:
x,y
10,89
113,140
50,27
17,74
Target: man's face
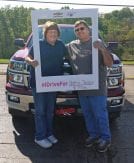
x,y
82,32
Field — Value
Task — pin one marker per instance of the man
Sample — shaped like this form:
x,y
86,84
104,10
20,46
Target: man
x,y
93,102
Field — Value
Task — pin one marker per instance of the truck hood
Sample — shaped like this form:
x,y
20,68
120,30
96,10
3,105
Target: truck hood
x,y
116,59
20,54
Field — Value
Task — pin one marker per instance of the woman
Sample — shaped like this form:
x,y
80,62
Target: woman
x,y
52,52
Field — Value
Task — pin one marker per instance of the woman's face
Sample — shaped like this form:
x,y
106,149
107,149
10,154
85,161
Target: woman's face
x,y
52,36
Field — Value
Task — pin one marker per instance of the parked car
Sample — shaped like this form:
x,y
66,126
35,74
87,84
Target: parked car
x,y
18,92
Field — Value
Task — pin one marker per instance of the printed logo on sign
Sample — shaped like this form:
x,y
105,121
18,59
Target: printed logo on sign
x,y
70,14
55,84
57,14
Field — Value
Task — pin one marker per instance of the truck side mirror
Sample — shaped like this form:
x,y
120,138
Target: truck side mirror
x,y
19,42
112,45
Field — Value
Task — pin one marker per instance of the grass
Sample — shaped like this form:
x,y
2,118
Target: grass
x,y
128,62
4,61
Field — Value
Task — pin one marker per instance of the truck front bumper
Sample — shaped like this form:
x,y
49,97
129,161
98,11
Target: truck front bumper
x,y
64,106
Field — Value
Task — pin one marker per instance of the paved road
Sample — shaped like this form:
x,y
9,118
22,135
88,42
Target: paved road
x,y
3,68
129,71
17,146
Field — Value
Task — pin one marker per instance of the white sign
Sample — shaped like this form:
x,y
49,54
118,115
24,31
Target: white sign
x,y
65,82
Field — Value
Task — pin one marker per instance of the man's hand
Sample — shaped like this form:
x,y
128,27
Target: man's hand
x,y
99,44
107,56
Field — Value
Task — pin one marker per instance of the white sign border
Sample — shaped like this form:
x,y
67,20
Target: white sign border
x,y
65,82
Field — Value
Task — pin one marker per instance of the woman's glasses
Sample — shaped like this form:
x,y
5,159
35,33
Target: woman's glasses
x,y
79,29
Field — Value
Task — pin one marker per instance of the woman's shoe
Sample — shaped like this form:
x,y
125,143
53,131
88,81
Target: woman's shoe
x,y
52,139
45,143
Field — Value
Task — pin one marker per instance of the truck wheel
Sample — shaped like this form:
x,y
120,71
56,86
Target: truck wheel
x,y
17,114
114,116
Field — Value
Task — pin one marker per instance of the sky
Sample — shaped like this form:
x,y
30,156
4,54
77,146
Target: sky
x,y
102,9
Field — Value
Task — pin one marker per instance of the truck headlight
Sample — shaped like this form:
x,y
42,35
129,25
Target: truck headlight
x,y
112,82
16,78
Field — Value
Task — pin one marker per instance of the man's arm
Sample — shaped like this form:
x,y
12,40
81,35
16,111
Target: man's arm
x,y
107,56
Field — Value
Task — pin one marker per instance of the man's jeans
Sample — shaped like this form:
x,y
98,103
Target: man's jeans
x,y
44,111
96,116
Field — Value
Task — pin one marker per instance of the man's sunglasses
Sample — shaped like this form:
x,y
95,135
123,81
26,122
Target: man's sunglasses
x,y
79,29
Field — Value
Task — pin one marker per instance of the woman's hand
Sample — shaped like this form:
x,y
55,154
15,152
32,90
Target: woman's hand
x,y
34,63
31,61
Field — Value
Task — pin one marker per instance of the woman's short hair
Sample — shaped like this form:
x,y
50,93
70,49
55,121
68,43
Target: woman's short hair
x,y
49,25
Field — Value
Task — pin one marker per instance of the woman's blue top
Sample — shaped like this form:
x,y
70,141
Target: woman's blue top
x,y
51,59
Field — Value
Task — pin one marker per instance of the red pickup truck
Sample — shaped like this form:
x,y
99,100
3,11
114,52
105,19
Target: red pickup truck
x,y
18,92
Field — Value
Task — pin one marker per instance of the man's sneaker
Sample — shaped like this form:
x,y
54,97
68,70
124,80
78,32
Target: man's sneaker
x,y
45,143
103,145
91,141
52,139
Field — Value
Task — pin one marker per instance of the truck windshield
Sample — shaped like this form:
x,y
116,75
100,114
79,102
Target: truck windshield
x,y
67,34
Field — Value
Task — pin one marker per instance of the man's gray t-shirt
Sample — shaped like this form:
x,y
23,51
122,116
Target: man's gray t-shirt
x,y
80,56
